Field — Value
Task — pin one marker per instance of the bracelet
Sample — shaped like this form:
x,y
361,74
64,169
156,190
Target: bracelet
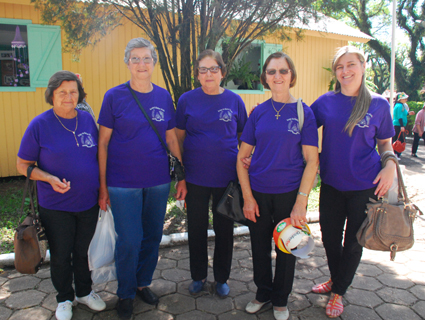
x,y
303,194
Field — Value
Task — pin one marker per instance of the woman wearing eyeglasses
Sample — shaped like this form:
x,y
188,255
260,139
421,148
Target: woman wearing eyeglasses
x,y
277,183
209,120
134,172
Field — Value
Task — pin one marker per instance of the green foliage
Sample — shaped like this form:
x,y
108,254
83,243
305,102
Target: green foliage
x,y
241,70
333,81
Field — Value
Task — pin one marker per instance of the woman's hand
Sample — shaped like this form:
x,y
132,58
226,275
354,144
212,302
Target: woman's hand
x,y
385,178
250,209
181,190
246,162
104,197
402,129
299,214
59,186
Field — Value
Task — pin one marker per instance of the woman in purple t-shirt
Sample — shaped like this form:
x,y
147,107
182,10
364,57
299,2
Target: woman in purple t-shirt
x,y
354,121
63,142
209,120
134,172
279,182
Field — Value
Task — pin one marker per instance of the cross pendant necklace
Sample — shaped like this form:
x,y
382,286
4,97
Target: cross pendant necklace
x,y
277,112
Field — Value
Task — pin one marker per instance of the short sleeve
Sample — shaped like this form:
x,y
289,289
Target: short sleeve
x,y
248,134
315,108
30,146
242,115
181,113
106,117
309,135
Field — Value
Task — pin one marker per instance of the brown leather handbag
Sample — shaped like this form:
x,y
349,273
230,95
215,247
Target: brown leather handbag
x,y
389,227
30,239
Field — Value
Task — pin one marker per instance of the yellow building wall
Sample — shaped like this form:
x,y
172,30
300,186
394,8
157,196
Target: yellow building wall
x,y
102,68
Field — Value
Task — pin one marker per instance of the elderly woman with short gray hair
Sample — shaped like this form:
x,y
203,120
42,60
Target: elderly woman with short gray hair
x,y
134,172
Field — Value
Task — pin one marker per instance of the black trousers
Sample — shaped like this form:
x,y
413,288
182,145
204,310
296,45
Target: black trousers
x,y
397,131
197,200
338,208
415,144
69,235
273,209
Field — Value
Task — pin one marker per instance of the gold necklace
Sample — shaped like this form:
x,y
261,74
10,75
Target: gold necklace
x,y
73,132
277,112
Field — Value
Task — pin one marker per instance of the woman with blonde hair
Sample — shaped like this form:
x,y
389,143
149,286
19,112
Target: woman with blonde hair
x,y
354,122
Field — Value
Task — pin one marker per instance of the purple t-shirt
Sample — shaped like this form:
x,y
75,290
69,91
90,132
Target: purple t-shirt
x,y
57,153
212,124
277,164
351,163
136,157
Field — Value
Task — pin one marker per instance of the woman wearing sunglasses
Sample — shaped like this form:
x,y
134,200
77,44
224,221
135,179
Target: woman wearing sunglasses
x,y
209,121
277,183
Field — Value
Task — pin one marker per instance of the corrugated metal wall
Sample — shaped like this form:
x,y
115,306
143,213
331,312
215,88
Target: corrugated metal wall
x,y
103,67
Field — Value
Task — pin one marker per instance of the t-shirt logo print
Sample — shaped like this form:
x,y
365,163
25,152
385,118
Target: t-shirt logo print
x,y
158,114
86,140
293,125
365,122
225,114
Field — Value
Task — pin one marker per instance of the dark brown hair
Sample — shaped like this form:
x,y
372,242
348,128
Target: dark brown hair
x,y
279,55
213,54
55,82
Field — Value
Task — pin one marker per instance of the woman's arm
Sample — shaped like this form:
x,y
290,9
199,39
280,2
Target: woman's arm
x,y
386,175
104,138
250,208
173,145
299,210
181,135
40,175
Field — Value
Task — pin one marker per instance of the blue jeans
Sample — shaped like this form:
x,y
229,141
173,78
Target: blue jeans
x,y
139,219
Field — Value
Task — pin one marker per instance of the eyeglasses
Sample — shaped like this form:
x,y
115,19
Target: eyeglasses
x,y
204,70
136,60
272,72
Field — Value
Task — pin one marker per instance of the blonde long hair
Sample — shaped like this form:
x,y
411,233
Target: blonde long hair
x,y
364,97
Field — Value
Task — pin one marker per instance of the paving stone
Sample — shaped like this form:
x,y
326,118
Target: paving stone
x,y
312,313
109,298
237,288
163,287
43,273
50,302
112,287
244,243
4,294
183,264
3,280
15,274
318,251
395,268
154,315
302,286
5,313
242,300
352,312
396,281
362,298
37,313
105,315
164,263
416,266
298,302
25,299
246,263
368,270
241,274
396,312
21,283
82,313
314,262
214,305
195,315
139,306
176,275
306,272
325,271
419,307
46,286
236,315
156,274
416,277
176,253
252,287
366,283
176,304
241,254
397,296
318,300
418,291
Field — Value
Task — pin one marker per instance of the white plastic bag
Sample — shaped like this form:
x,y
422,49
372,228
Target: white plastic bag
x,y
104,274
102,246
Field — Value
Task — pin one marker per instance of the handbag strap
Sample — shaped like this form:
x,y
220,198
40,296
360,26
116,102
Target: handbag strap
x,y
300,112
147,118
402,193
32,190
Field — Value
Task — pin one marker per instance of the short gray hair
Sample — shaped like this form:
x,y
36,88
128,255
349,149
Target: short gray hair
x,y
139,43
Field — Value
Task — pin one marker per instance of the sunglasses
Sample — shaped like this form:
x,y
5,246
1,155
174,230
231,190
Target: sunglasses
x,y
203,70
272,72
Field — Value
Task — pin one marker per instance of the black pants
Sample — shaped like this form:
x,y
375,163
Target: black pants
x,y
197,200
69,235
336,209
397,132
416,138
273,209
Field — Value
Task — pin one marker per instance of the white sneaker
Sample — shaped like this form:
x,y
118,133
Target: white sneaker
x,y
281,315
93,301
64,310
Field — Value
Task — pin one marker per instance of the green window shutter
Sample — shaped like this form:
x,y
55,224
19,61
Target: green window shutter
x,y
45,53
268,49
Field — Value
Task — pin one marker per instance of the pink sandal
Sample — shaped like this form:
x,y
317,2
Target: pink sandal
x,y
323,287
334,308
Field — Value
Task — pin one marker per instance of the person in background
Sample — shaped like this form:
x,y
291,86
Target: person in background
x,y
209,121
134,172
355,121
83,105
418,130
67,194
278,183
400,114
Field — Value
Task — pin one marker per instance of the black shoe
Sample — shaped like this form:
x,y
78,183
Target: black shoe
x,y
148,296
414,155
125,308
